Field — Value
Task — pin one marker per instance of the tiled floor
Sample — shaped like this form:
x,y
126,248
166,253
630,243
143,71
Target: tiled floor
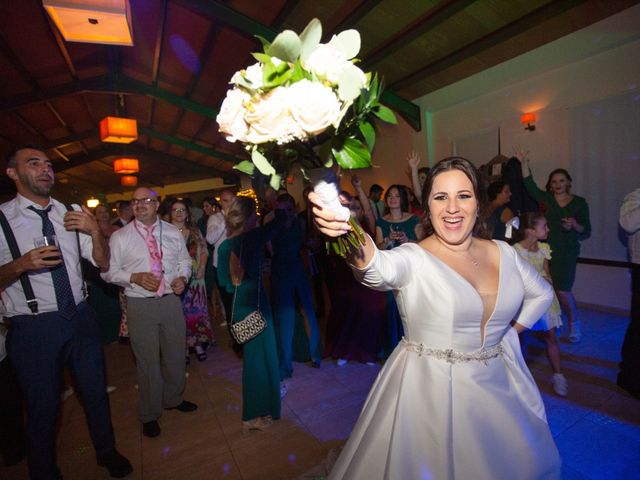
x,y
597,427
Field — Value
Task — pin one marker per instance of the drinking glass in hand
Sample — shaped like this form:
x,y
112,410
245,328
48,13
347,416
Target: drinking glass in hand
x,y
47,241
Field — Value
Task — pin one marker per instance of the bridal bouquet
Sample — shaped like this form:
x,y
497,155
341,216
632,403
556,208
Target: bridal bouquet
x,y
308,103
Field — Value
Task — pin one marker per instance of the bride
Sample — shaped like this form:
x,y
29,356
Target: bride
x,y
455,399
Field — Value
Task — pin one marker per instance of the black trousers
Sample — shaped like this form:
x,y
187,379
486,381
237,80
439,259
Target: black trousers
x,y
39,348
12,438
629,375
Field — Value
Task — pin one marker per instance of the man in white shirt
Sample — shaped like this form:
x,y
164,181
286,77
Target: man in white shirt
x,y
216,234
629,375
150,261
59,328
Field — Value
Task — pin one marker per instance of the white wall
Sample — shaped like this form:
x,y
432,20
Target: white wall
x,y
572,84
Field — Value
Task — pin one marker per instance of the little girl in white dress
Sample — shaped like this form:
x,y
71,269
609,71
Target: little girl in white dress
x,y
533,230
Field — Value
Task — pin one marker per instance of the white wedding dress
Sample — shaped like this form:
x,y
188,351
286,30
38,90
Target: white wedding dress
x,y
433,414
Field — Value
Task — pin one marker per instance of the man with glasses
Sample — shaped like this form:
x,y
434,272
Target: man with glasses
x,y
51,324
149,259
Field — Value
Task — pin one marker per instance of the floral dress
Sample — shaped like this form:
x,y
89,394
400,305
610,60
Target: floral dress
x,y
553,317
194,301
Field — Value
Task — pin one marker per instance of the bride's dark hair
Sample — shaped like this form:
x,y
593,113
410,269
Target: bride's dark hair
x,y
445,165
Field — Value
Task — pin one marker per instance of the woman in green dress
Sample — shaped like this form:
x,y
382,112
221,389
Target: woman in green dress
x,y
568,221
240,259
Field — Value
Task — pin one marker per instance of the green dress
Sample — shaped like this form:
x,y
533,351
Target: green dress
x,y
565,244
260,367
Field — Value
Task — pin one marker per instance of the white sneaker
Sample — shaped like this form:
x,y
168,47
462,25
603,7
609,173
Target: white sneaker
x,y
575,334
559,383
341,362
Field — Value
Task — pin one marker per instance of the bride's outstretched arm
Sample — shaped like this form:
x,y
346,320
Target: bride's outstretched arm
x,y
332,224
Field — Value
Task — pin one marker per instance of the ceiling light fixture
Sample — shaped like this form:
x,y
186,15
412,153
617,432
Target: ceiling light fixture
x,y
118,130
92,21
128,180
126,166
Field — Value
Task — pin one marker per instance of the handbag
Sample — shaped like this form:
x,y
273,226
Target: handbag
x,y
253,324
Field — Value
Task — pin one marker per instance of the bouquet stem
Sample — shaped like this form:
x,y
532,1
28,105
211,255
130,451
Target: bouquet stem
x,y
325,184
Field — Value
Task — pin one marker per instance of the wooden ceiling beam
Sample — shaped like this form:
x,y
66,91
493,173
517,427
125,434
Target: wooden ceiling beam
x,y
189,145
26,75
350,17
107,84
433,17
139,151
61,45
284,12
204,56
524,23
157,55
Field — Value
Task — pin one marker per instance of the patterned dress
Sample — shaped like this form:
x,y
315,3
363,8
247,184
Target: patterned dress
x,y
553,317
194,301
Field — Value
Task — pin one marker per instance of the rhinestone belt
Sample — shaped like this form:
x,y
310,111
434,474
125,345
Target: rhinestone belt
x,y
452,356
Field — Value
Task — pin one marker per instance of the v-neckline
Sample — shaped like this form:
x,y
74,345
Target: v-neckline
x,y
483,332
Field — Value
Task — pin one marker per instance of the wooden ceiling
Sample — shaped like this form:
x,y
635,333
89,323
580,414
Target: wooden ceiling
x,y
174,78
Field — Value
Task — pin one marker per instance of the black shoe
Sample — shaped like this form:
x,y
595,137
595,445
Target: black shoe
x,y
151,429
118,466
185,407
315,364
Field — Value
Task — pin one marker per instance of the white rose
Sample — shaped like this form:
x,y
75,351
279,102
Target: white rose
x,y
313,106
270,120
327,62
250,78
231,117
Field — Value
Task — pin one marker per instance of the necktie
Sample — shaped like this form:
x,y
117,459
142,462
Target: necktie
x,y
156,259
61,285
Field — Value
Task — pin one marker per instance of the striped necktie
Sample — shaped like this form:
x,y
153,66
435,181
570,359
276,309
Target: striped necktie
x,y
61,285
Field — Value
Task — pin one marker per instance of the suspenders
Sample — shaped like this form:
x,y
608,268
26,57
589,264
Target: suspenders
x,y
32,303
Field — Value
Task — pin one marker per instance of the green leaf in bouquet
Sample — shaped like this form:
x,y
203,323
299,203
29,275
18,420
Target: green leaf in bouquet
x,y
275,75
325,154
245,166
348,42
353,154
349,83
385,114
261,163
275,181
310,38
286,46
265,43
261,57
368,133
298,73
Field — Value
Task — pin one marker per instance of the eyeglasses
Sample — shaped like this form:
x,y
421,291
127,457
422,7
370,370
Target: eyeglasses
x,y
178,210
142,201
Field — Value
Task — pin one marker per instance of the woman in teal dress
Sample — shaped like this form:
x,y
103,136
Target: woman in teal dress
x,y
568,221
240,273
396,227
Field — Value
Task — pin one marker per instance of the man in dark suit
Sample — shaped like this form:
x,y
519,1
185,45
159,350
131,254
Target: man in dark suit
x,y
57,328
125,214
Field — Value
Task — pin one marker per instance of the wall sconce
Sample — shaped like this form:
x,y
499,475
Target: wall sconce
x,y
118,130
92,21
126,166
528,119
93,202
128,180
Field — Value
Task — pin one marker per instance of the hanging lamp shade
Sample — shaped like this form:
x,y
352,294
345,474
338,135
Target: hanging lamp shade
x,y
92,21
128,180
126,166
118,130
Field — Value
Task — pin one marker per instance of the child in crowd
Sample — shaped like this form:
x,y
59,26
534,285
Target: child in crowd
x,y
533,230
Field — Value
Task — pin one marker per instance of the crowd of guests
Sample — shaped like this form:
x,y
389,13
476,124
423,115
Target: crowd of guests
x,y
175,269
